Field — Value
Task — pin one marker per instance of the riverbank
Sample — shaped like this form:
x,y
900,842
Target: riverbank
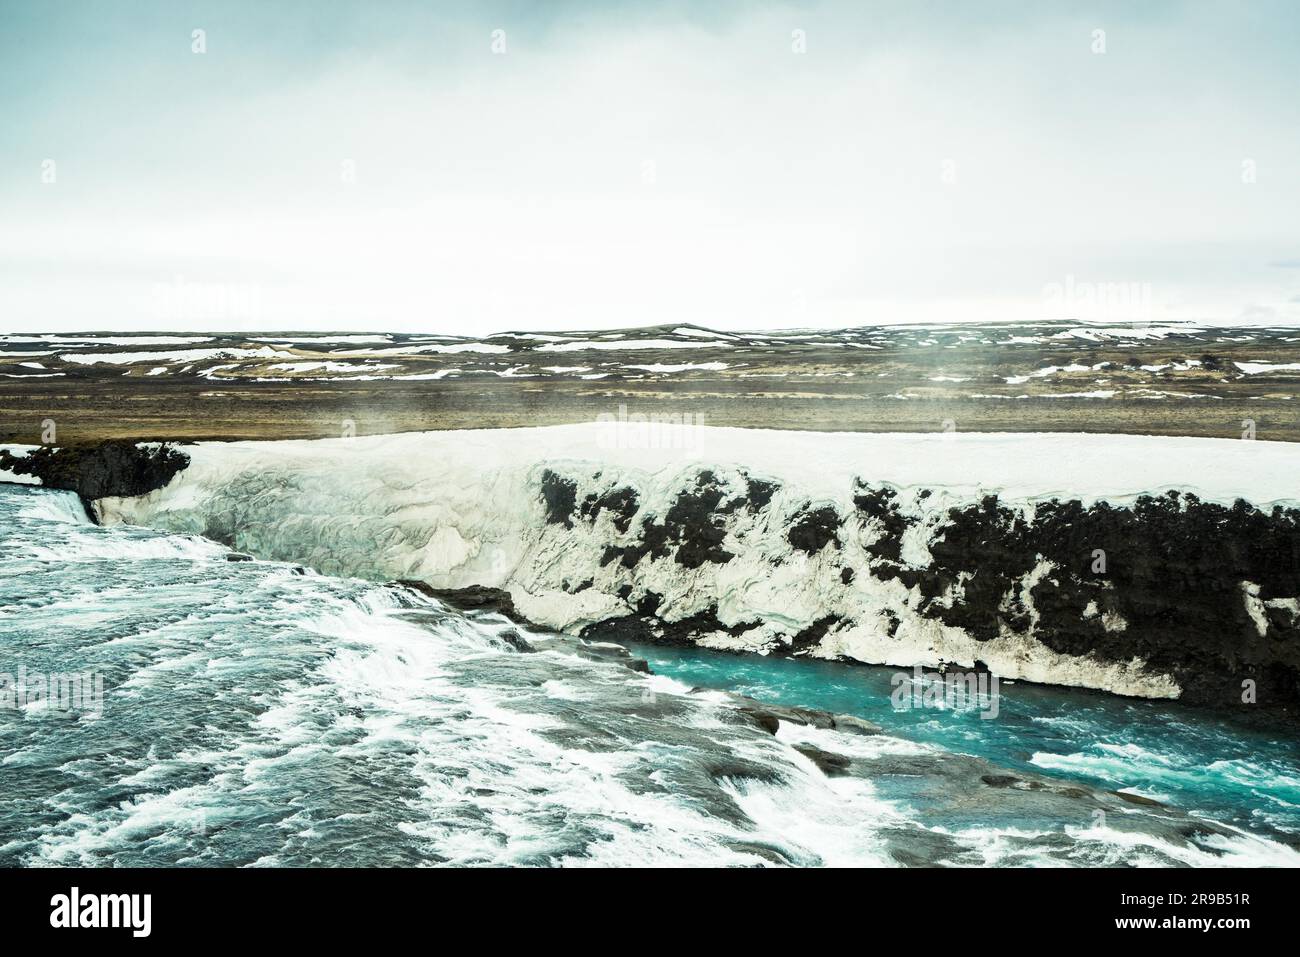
x,y
1118,563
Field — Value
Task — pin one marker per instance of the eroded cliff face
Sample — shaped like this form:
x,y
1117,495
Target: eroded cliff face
x,y
1167,596
764,548
119,467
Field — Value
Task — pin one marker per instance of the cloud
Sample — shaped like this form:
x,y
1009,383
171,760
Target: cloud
x,y
644,163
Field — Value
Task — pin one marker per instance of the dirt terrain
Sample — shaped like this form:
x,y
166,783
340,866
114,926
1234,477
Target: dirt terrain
x,y
1163,380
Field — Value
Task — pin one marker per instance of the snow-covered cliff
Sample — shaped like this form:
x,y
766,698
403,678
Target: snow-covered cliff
x,y
1111,562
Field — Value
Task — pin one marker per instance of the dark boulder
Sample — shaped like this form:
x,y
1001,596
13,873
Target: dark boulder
x,y
831,765
117,467
473,598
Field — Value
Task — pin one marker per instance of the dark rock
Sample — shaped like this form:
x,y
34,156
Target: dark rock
x,y
648,603
773,855
764,713
1174,568
114,468
811,531
1137,799
515,640
622,502
761,718
608,652
880,505
734,767
831,765
813,717
645,626
854,725
560,494
692,530
474,598
1000,780
758,493
811,636
920,847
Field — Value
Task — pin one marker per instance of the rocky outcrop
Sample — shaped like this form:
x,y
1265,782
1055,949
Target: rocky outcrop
x,y
955,552
1200,592
473,598
119,468
1204,592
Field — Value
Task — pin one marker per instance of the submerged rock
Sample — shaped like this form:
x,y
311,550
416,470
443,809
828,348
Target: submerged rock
x,y
475,597
855,725
832,765
769,716
1137,799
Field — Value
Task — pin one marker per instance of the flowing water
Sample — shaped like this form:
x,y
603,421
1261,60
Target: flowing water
x,y
1154,749
255,713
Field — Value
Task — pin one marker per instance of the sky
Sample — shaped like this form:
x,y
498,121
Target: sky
x,y
471,168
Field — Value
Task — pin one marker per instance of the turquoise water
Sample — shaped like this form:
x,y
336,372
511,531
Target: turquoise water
x,y
1160,750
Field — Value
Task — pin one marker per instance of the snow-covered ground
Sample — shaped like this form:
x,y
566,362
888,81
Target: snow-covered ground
x,y
1056,358
1116,468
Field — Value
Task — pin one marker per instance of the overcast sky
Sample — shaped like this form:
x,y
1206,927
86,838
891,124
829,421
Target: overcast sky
x,y
381,166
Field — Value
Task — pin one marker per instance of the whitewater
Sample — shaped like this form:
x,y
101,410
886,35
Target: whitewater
x,y
258,713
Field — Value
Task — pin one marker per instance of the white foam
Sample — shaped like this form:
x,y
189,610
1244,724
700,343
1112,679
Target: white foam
x,y
114,549
55,506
